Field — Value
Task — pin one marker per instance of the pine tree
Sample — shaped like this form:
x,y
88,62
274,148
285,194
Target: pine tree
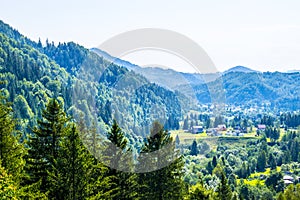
x,y
11,151
199,192
44,144
210,167
74,175
261,161
186,124
166,182
194,148
223,190
8,188
208,123
214,161
120,156
177,140
272,161
295,148
12,161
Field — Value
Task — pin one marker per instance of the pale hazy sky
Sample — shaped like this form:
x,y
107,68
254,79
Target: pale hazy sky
x,y
260,34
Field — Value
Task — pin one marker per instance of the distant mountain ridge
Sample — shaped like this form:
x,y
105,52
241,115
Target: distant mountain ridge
x,y
87,84
293,71
241,85
240,69
167,78
47,71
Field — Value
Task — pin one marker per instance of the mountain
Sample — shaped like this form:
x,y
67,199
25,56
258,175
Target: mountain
x,y
116,61
239,69
167,78
88,85
293,71
280,90
239,85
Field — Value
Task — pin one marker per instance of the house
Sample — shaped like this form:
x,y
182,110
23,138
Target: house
x,y
229,133
287,179
237,128
222,127
261,127
197,129
213,132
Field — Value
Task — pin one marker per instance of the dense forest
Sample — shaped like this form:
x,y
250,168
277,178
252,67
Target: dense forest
x,y
277,89
86,84
64,108
241,85
53,163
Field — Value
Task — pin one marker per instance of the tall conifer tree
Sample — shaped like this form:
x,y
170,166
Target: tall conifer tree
x,y
166,182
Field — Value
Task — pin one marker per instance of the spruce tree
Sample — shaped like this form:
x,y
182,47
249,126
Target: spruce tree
x,y
120,156
166,182
11,151
199,192
214,161
73,176
177,141
272,161
43,145
223,191
194,148
261,161
8,188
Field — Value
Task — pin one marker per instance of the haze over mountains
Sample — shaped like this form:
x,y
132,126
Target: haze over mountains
x,y
88,85
238,85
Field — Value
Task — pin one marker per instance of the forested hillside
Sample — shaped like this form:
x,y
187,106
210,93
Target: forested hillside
x,y
63,96
86,83
240,85
74,125
279,90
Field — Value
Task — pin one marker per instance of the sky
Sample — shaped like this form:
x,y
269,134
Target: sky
x,y
260,34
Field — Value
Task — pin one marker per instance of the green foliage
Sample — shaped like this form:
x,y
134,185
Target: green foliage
x,y
8,188
291,120
275,181
167,182
120,156
59,166
44,145
194,148
199,192
280,89
261,161
223,191
11,151
292,192
272,133
73,174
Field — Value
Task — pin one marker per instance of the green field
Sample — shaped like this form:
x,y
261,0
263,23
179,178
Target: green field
x,y
187,138
254,180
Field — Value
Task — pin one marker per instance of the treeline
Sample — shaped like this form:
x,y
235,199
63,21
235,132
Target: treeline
x,y
254,168
61,159
291,120
53,162
277,90
85,82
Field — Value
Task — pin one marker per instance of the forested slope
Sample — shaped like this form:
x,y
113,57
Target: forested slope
x,y
86,83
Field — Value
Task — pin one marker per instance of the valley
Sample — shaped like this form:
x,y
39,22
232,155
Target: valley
x,y
78,123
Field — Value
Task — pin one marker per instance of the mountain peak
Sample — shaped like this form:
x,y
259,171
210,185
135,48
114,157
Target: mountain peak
x,y
239,69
